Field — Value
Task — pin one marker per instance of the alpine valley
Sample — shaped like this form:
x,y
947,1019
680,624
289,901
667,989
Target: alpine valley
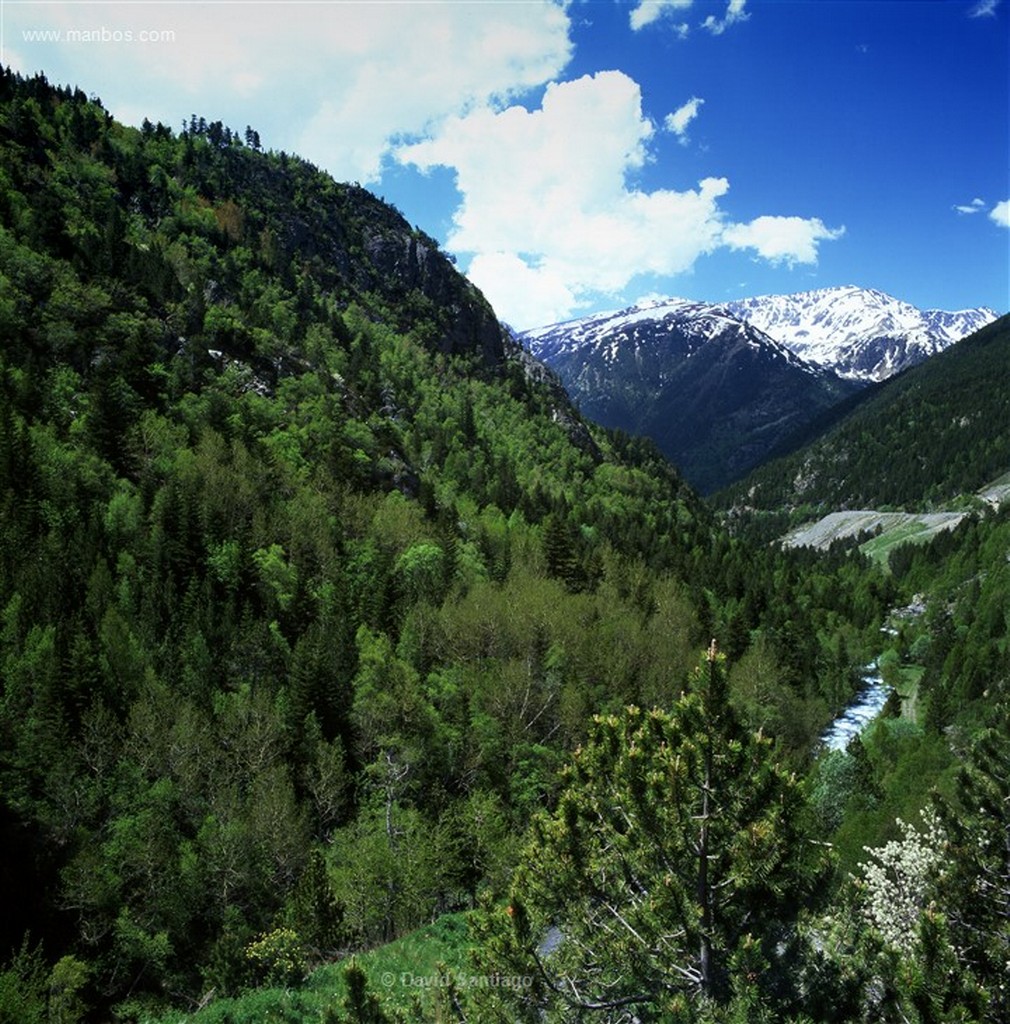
x,y
349,673
721,389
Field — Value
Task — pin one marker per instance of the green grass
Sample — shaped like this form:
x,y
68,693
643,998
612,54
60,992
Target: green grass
x,y
411,968
879,548
907,686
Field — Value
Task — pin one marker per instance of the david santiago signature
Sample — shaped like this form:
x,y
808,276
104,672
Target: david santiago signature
x,y
408,979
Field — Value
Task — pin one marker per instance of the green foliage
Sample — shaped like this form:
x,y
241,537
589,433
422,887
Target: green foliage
x,y
23,984
895,765
640,889
360,1006
278,957
277,576
311,585
30,993
390,869
874,457
834,783
68,976
974,888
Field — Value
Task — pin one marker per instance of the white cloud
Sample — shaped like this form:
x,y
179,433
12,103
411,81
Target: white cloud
x,y
456,61
550,213
974,206
1000,214
546,195
649,11
984,9
788,240
678,121
734,13
552,217
515,167
537,294
365,74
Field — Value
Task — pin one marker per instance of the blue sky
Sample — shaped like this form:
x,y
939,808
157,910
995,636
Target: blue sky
x,y
578,155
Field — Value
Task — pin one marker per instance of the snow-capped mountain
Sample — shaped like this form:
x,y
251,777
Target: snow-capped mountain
x,y
643,328
716,394
860,333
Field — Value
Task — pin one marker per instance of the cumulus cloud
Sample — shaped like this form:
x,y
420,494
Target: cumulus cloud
x,y
648,11
456,62
570,156
546,195
551,215
999,214
355,87
734,13
788,240
678,121
534,293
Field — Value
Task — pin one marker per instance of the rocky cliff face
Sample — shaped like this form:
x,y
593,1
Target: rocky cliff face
x,y
405,261
362,249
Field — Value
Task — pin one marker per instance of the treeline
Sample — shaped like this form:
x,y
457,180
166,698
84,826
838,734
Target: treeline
x,y
310,585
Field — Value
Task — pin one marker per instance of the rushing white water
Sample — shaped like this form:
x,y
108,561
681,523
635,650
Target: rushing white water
x,y
866,706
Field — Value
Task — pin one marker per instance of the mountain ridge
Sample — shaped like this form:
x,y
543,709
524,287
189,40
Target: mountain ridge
x,y
860,333
715,393
938,430
779,367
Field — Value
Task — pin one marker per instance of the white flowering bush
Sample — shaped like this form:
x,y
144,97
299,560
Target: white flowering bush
x,y
897,877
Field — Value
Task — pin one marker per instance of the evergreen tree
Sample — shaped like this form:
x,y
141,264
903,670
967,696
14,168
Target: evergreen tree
x,y
673,850
975,886
560,551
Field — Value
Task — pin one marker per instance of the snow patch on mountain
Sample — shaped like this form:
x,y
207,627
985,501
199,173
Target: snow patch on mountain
x,y
615,333
715,393
860,333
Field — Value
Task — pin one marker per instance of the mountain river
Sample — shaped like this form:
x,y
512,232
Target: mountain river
x,y
864,708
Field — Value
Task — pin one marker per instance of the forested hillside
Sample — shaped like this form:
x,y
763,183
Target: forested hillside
x,y
936,431
322,614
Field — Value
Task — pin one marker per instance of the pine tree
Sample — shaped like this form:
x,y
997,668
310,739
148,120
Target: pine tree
x,y
560,553
315,914
361,1006
673,848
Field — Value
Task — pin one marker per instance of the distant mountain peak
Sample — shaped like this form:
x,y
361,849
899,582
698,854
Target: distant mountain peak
x,y
860,333
716,393
721,387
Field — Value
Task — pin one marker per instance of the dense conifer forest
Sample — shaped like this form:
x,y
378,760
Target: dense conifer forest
x,y
324,617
